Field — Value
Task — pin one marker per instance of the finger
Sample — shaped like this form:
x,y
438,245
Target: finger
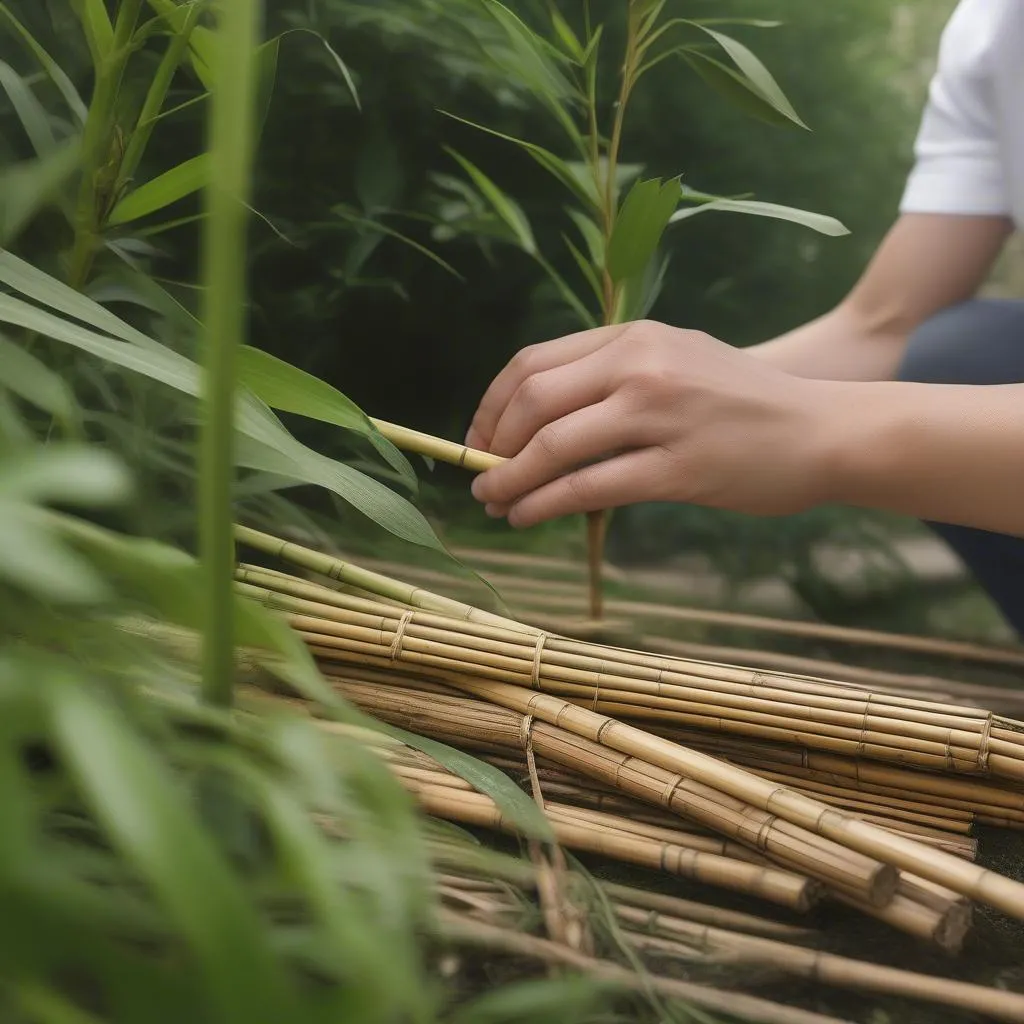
x,y
562,445
626,479
535,359
546,397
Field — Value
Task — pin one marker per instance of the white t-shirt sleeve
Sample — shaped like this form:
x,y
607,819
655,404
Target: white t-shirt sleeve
x,y
960,166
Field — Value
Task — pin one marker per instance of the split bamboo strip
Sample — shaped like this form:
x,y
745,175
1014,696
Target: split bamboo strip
x,y
829,969
774,885
795,848
749,1008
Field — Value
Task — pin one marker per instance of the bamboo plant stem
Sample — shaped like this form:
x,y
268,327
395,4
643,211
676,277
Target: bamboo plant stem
x,y
232,142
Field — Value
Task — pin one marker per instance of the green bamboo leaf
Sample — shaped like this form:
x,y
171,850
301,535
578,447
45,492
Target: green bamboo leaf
x,y
33,116
170,187
593,237
27,188
33,381
99,32
288,389
570,1000
587,268
554,165
50,66
755,73
733,86
571,299
816,221
202,41
639,226
339,63
507,209
514,804
71,474
147,820
573,47
270,447
346,213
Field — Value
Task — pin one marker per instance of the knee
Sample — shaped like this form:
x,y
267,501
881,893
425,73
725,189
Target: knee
x,y
976,342
940,351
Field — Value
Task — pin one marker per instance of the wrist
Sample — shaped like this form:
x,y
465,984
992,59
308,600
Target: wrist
x,y
866,437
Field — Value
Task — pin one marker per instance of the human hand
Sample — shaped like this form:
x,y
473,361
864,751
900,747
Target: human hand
x,y
646,412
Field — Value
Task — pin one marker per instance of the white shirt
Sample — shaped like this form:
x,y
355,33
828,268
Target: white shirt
x,y
970,147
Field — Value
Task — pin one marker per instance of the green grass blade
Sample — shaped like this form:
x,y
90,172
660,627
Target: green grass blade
x,y
819,222
33,116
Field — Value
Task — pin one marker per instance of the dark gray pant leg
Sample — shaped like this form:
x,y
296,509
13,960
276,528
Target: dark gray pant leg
x,y
979,342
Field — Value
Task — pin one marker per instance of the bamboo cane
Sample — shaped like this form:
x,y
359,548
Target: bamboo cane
x,y
774,885
750,1008
795,848
829,969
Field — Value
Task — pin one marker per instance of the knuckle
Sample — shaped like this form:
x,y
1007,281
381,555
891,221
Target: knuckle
x,y
532,393
549,441
525,360
581,486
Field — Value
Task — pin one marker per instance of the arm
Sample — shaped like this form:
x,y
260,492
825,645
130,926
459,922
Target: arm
x,y
926,263
647,412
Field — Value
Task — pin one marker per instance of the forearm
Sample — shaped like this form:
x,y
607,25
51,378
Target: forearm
x,y
942,453
842,345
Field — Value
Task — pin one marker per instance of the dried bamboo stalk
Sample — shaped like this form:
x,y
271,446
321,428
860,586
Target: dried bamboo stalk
x,y
750,1008
829,969
774,885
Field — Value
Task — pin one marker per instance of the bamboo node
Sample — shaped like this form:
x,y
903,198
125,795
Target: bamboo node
x,y
396,644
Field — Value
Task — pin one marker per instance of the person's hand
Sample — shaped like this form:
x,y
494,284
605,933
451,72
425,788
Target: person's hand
x,y
645,412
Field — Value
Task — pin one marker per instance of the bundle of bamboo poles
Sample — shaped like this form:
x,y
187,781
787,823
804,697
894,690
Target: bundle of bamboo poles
x,y
789,788
666,926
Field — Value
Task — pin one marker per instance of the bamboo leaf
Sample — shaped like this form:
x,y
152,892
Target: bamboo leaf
x,y
816,221
171,186
33,381
288,389
202,41
30,111
27,188
639,227
554,165
146,818
336,58
573,47
568,1000
270,449
515,805
67,473
507,209
755,73
734,87
50,66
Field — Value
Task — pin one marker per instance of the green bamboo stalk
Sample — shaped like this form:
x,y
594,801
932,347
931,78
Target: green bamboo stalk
x,y
232,142
97,143
156,96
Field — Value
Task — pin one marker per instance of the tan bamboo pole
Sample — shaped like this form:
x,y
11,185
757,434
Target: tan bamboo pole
x,y
964,737
980,884
945,927
843,972
688,910
772,884
362,640
434,448
375,583
947,649
749,1008
786,844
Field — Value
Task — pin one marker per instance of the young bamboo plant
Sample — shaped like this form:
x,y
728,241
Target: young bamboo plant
x,y
620,217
